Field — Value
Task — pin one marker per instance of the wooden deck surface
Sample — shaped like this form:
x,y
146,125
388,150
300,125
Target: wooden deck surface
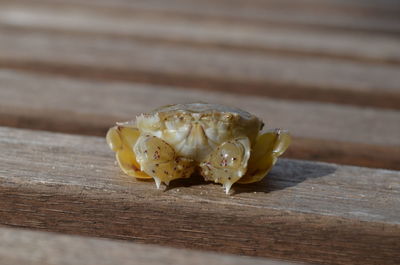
x,y
303,211
22,247
327,70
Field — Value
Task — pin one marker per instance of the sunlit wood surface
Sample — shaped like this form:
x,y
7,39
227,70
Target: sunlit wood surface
x,y
327,70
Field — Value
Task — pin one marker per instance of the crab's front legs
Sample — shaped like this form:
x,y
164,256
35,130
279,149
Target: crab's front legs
x,y
227,163
121,140
160,161
268,147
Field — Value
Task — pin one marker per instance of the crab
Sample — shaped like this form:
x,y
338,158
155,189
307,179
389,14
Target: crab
x,y
224,144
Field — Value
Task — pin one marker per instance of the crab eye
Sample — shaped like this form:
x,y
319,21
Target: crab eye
x,y
181,119
227,116
148,122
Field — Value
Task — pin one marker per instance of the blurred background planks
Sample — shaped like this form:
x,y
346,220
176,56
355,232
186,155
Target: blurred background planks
x,y
205,45
286,59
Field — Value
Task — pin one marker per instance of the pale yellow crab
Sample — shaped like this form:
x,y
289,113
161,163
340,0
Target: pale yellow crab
x,y
222,143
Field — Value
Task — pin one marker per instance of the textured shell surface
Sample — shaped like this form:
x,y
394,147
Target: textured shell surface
x,y
195,129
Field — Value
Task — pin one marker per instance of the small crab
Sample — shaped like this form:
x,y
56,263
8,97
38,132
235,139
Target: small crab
x,y
222,143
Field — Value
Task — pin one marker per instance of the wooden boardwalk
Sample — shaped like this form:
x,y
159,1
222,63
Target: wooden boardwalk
x,y
327,70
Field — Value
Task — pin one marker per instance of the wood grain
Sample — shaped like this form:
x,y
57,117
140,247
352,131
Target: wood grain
x,y
80,53
313,212
78,66
95,19
376,17
22,247
333,133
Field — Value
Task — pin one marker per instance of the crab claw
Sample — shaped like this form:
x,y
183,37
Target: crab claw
x,y
227,186
158,182
227,163
159,160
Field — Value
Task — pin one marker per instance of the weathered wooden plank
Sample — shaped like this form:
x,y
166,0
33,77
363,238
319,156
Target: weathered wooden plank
x,y
21,247
355,17
244,72
333,133
306,211
92,19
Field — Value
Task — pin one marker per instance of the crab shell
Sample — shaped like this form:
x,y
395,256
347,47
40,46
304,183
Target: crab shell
x,y
194,130
173,141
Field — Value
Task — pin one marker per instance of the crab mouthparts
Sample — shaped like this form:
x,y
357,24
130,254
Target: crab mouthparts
x,y
196,144
197,137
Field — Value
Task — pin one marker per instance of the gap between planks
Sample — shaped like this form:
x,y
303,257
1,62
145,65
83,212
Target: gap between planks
x,y
333,133
313,212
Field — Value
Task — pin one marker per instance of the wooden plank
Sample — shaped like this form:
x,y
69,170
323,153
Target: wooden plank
x,y
366,17
262,74
314,212
324,132
299,42
21,247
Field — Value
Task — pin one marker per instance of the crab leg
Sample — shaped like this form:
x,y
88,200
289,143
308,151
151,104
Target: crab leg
x,y
269,146
227,163
121,140
159,160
